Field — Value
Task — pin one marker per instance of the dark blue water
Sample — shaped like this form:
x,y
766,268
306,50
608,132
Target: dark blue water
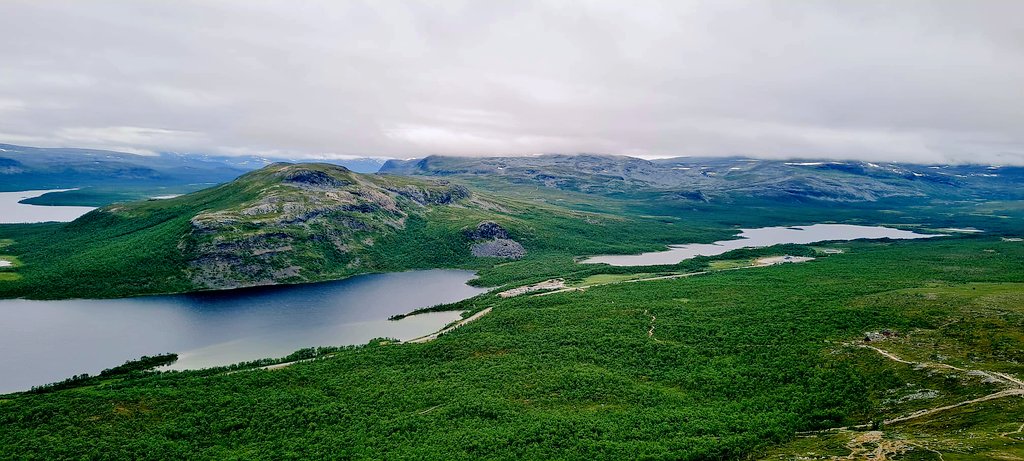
x,y
46,341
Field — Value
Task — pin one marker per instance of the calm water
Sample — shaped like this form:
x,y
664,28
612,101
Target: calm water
x,y
46,341
12,212
755,238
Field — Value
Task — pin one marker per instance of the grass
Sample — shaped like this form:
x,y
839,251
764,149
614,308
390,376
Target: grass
x,y
601,279
730,264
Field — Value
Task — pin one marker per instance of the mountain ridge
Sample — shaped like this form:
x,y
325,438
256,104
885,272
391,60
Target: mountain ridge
x,y
25,167
713,178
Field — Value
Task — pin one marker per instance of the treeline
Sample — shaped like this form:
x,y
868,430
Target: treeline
x,y
129,367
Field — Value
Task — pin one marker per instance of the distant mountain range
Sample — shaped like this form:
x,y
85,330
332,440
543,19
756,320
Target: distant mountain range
x,y
686,178
24,168
706,179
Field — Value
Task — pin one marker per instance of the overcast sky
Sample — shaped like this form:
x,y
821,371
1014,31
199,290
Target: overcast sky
x,y
929,81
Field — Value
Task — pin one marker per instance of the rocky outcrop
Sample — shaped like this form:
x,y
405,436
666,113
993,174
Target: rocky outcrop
x,y
307,178
445,194
493,241
487,230
498,248
303,223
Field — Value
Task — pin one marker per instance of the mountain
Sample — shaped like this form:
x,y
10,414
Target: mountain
x,y
304,222
284,223
24,168
724,179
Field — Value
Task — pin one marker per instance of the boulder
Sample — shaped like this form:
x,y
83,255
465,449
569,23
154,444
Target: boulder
x,y
498,248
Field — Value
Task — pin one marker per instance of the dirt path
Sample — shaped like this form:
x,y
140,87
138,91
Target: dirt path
x,y
1016,388
650,332
553,284
278,366
1018,431
931,411
996,376
872,445
433,336
763,262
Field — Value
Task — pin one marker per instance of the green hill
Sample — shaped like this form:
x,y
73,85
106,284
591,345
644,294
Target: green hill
x,y
284,223
294,223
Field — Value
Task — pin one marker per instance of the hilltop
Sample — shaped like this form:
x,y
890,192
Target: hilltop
x,y
284,223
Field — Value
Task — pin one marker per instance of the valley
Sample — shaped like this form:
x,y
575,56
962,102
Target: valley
x,y
747,342
529,230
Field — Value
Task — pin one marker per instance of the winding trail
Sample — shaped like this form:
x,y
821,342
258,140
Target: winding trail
x,y
1018,431
1016,388
931,411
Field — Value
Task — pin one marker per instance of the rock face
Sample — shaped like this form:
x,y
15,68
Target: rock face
x,y
314,179
487,230
493,241
498,248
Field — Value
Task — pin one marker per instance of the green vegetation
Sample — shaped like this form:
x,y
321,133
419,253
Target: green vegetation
x,y
374,224
131,367
751,357
728,364
141,364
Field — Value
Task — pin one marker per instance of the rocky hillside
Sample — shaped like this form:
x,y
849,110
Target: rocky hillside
x,y
721,179
290,223
304,212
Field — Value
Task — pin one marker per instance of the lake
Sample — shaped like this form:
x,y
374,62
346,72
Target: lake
x,y
47,341
12,212
756,238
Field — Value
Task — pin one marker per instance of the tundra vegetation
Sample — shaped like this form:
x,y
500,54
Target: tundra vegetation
x,y
888,349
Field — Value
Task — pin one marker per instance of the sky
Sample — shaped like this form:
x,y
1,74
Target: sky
x,y
915,81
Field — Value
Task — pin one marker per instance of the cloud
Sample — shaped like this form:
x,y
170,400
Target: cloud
x,y
130,138
919,81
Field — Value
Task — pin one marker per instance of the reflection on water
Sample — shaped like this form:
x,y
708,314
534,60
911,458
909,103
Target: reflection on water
x,y
46,341
755,238
12,212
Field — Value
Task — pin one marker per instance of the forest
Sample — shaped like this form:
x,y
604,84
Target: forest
x,y
735,365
